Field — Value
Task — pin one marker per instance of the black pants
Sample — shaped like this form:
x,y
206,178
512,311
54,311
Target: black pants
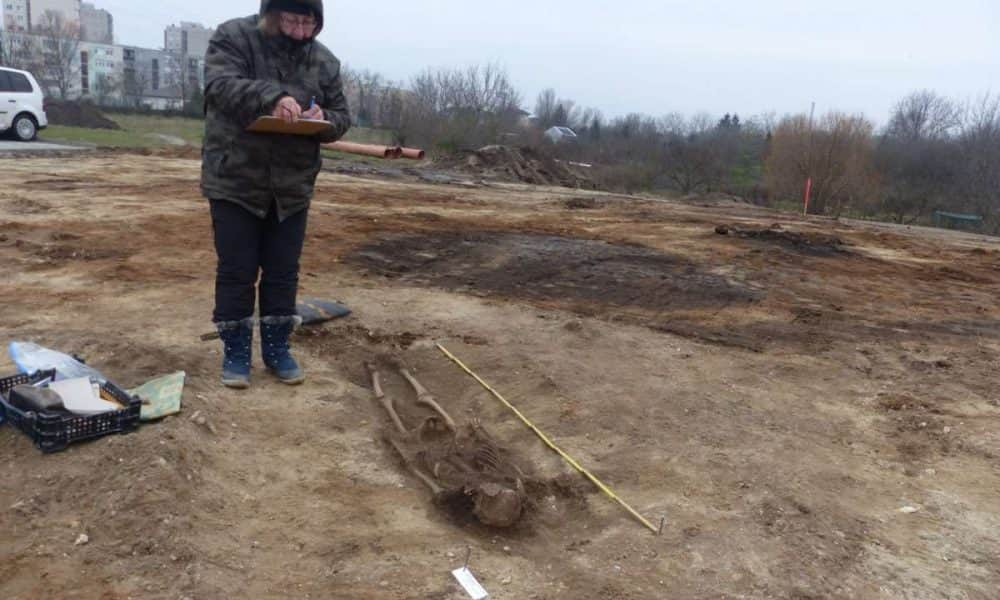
x,y
247,246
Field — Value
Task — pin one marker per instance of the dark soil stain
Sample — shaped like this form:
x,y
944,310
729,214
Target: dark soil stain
x,y
550,268
581,204
803,242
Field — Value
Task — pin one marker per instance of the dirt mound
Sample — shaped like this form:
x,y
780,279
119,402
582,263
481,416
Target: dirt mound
x,y
804,242
582,204
525,165
77,114
575,272
713,198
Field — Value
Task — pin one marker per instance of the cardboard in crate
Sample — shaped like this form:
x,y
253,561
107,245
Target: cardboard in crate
x,y
52,432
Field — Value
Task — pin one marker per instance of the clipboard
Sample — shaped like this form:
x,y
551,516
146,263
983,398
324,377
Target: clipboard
x,y
300,127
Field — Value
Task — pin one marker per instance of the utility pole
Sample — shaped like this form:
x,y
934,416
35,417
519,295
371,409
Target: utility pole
x,y
809,165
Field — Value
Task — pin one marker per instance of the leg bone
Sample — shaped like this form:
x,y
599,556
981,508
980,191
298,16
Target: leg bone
x,y
386,402
428,481
424,397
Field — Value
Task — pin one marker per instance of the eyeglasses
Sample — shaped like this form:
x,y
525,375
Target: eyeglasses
x,y
307,23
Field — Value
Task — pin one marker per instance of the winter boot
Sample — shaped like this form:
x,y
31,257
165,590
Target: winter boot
x,y
237,341
274,333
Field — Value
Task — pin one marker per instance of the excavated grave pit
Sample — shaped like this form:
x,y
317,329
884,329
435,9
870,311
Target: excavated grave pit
x,y
535,267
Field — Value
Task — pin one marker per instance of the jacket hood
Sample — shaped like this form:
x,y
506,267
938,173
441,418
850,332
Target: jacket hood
x,y
316,6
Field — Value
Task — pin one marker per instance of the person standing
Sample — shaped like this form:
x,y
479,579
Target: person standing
x,y
259,185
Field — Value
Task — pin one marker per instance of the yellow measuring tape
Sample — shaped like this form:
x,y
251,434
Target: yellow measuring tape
x,y
549,442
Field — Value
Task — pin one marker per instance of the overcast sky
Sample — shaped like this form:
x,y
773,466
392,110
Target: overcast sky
x,y
656,56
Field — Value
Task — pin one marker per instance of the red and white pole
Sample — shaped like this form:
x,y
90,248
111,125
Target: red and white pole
x,y
809,188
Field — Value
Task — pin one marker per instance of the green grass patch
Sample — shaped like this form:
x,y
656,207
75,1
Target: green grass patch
x,y
136,131
139,131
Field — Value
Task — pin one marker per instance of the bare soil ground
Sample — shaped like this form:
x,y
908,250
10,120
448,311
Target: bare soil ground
x,y
776,404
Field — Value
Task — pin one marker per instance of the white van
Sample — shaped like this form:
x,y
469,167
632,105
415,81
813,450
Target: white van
x,y
21,104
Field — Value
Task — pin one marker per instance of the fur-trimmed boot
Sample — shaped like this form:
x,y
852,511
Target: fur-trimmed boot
x,y
237,343
274,333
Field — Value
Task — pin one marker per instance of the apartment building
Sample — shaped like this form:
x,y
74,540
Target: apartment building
x,y
96,24
16,15
189,39
69,10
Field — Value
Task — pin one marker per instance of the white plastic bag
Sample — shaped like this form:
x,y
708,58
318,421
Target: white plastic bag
x,y
31,357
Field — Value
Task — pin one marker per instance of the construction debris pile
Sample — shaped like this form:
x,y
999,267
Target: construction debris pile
x,y
525,165
77,114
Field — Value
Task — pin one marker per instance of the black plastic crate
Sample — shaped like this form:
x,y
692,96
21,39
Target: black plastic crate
x,y
53,432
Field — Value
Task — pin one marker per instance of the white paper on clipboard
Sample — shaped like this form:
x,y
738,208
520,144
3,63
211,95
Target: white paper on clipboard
x,y
300,127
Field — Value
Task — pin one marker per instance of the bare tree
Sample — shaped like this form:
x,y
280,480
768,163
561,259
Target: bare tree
x,y
629,151
461,108
107,89
391,110
134,84
60,52
176,75
375,101
545,108
369,86
979,144
915,156
924,115
589,121
480,89
695,152
568,114
18,51
763,123
561,116
918,177
837,153
551,110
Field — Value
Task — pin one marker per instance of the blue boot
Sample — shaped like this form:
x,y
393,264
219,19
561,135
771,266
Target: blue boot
x,y
274,333
237,341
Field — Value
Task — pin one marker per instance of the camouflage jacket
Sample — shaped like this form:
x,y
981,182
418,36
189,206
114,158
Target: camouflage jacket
x,y
246,73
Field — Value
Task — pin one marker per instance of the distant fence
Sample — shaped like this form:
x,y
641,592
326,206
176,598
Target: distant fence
x,y
952,220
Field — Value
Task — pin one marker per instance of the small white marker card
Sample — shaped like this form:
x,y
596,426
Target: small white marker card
x,y
468,581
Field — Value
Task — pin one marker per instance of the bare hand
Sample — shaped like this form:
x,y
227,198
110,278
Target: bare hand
x,y
314,113
288,110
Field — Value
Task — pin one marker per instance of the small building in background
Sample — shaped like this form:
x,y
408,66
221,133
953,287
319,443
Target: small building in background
x,y
560,134
951,220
